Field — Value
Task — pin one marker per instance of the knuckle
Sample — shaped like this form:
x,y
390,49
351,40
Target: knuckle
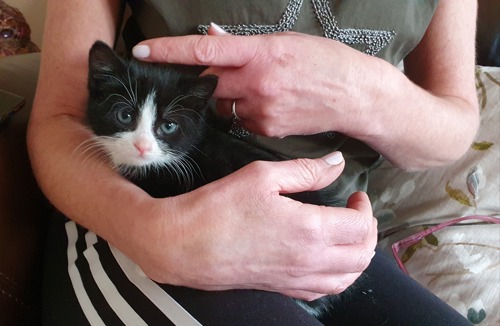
x,y
309,250
267,86
301,266
363,227
204,51
308,171
267,129
280,53
310,235
295,272
261,169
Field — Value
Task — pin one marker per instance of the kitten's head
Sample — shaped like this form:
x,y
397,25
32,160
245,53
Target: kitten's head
x,y
145,115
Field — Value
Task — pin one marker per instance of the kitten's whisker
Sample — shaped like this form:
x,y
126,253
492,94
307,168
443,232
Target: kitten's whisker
x,y
186,173
136,94
199,151
127,101
182,167
125,105
133,95
130,94
174,114
177,99
194,169
186,167
189,110
91,151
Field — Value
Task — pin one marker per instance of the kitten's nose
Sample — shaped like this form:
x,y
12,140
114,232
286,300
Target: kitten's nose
x,y
142,146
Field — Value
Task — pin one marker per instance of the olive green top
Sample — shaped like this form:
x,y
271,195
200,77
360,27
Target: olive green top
x,y
388,29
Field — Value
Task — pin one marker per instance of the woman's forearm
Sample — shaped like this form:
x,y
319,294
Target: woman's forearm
x,y
410,126
430,116
69,176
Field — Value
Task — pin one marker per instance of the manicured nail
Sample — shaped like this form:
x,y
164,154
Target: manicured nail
x,y
141,51
334,158
217,28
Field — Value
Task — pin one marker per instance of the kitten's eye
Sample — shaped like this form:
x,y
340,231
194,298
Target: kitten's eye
x,y
124,116
169,127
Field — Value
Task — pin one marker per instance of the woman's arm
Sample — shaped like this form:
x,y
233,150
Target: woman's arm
x,y
237,232
433,121
299,84
56,126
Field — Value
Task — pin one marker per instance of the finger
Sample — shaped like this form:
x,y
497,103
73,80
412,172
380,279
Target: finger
x,y
360,202
332,227
339,226
354,224
306,174
230,85
232,108
206,50
302,295
335,254
225,108
329,284
347,259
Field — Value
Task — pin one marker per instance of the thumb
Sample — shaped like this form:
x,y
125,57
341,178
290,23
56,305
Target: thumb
x,y
308,174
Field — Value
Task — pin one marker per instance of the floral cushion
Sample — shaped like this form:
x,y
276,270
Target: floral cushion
x,y
461,263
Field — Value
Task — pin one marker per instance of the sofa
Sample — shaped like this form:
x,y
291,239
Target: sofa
x,y
461,263
23,210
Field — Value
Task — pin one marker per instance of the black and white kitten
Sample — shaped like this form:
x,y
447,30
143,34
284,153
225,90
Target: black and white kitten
x,y
154,124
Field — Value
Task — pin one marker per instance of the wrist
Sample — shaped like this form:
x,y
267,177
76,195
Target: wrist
x,y
374,83
147,232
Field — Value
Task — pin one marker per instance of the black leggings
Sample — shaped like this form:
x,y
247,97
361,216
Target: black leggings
x,y
86,282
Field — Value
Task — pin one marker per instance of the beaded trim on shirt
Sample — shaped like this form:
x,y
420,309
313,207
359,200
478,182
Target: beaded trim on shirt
x,y
285,24
373,40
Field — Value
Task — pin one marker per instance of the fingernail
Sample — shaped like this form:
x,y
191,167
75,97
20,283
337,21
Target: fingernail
x,y
334,158
217,28
141,51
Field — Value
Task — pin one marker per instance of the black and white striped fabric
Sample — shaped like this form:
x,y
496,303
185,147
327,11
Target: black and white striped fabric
x,y
101,286
88,282
130,298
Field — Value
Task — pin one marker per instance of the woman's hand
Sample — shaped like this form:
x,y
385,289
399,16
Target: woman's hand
x,y
283,84
239,232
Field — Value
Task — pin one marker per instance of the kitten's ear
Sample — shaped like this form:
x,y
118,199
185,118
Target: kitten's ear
x,y
203,87
103,60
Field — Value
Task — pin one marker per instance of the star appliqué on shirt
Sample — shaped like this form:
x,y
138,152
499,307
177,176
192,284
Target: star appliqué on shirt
x,y
372,40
